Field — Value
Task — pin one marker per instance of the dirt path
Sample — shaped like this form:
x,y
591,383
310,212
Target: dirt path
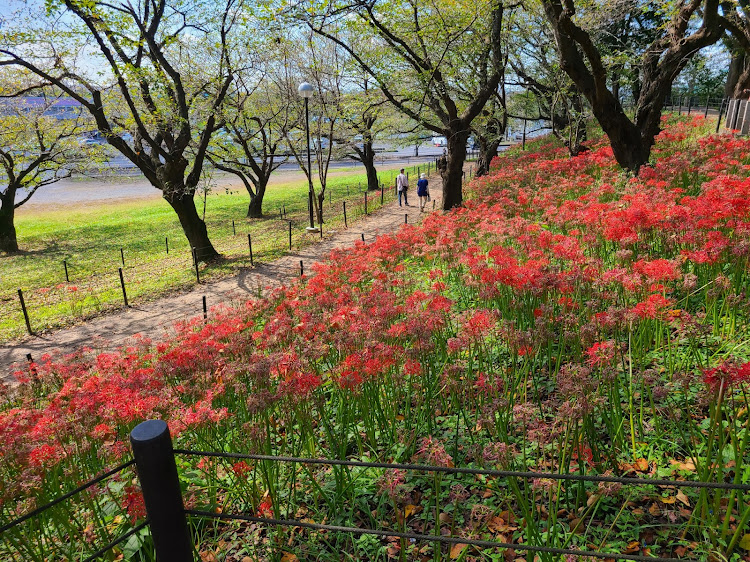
x,y
155,319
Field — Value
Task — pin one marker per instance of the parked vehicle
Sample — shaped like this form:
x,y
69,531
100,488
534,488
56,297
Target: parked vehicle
x,y
439,141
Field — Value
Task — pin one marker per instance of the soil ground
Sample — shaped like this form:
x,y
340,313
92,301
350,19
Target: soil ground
x,y
155,319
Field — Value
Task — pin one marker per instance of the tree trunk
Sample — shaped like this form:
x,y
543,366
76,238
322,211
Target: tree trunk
x,y
255,208
630,142
321,200
8,240
368,161
742,86
192,225
453,172
487,151
736,68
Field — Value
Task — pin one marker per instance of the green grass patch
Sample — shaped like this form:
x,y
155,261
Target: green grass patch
x,y
89,237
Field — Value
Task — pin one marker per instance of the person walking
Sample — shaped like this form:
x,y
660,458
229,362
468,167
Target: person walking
x,y
402,186
423,191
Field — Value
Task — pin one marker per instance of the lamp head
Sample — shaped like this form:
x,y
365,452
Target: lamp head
x,y
305,90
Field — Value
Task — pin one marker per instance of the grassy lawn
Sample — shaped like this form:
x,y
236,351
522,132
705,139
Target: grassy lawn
x,y
88,238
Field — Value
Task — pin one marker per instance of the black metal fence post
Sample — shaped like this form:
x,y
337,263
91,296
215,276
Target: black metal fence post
x,y
122,284
157,473
32,367
234,229
345,223
25,312
382,194
721,110
195,262
122,257
365,202
290,236
363,237
301,268
205,308
166,242
65,265
406,218
250,246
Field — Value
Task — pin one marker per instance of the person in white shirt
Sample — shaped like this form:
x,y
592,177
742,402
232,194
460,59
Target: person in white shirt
x,y
402,186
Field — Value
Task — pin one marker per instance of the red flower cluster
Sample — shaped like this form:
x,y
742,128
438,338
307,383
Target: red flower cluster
x,y
547,265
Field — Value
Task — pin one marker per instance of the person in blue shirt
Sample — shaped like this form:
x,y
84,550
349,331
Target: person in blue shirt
x,y
423,191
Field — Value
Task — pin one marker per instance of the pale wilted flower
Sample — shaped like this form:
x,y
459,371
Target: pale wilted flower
x,y
498,453
432,451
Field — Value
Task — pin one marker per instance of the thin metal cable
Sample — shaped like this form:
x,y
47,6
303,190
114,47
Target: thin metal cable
x,y
429,538
64,497
117,541
481,471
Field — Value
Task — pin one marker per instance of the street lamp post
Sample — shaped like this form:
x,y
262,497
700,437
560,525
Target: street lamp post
x,y
306,91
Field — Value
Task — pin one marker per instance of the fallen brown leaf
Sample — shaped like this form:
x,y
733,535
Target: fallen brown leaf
x,y
683,498
457,549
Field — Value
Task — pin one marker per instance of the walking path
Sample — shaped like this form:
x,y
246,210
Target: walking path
x,y
156,318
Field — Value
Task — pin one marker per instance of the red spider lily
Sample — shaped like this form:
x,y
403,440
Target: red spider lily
x,y
133,504
265,508
601,353
241,469
652,306
726,374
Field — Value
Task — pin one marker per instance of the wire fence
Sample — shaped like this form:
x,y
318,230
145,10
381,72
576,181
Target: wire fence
x,y
82,524
349,507
87,284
